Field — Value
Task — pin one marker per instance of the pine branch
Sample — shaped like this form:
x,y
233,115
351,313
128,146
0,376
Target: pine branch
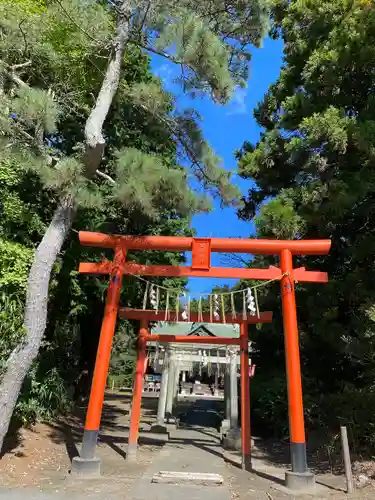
x,y
194,159
165,55
26,47
171,125
21,65
106,177
10,72
37,140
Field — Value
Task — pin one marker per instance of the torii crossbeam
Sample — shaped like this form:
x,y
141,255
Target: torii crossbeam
x,y
201,249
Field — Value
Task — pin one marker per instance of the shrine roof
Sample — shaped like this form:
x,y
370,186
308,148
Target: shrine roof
x,y
202,329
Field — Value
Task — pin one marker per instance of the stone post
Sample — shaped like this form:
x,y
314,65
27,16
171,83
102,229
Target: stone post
x,y
232,439
171,385
225,424
227,394
176,380
163,392
233,391
160,427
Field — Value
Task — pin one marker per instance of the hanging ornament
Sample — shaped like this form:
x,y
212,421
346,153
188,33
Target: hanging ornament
x,y
184,314
153,298
256,301
145,296
223,309
167,307
200,313
189,308
244,313
216,307
211,307
250,301
218,363
157,299
233,306
177,306
209,367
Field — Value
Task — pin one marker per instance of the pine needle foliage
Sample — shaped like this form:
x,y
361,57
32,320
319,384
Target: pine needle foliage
x,y
144,182
35,107
67,45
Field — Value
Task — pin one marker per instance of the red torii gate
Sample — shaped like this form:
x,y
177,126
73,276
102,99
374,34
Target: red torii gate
x,y
146,316
201,249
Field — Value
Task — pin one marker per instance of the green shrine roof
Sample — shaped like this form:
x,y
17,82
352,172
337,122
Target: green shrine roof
x,y
201,329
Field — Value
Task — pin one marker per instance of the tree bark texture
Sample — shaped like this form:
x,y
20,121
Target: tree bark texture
x,y
22,357
36,306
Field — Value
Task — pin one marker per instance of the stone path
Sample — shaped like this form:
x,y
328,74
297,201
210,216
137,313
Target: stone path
x,y
188,450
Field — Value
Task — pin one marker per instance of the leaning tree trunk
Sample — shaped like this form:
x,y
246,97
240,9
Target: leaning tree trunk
x,y
23,356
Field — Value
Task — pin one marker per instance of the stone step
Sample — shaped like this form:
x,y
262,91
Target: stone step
x,y
196,478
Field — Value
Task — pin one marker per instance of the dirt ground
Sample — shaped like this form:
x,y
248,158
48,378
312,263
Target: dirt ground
x,y
41,458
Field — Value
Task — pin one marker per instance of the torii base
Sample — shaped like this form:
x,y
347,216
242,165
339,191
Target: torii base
x,y
300,481
160,429
131,453
85,467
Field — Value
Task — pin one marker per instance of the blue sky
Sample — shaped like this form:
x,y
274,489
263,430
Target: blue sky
x,y
226,128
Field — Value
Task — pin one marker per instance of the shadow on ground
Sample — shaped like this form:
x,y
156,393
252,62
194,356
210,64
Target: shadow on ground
x,y
13,438
203,415
114,425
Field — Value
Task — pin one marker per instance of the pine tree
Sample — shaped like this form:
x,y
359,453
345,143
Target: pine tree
x,y
209,41
314,170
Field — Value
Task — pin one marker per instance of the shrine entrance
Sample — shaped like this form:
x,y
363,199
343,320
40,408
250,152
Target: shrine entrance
x,y
241,343
197,365
201,249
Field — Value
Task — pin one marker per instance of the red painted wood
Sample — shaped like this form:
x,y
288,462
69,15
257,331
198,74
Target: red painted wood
x,y
95,267
94,411
227,245
138,387
201,254
271,273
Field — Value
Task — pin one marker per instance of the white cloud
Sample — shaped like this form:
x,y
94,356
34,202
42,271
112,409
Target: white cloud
x,y
237,105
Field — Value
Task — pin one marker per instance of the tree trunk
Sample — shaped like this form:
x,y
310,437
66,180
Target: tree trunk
x,y
23,356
